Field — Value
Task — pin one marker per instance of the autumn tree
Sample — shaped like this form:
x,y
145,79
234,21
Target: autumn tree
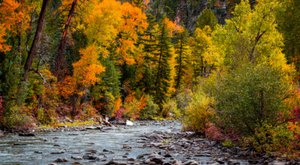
x,y
289,25
207,18
60,62
9,18
206,55
256,81
84,76
183,51
101,25
134,23
245,41
34,46
160,55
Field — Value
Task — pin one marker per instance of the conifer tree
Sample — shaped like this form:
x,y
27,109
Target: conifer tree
x,y
183,52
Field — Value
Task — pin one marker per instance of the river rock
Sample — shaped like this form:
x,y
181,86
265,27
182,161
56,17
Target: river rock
x,y
276,162
38,152
129,123
191,162
108,128
91,128
76,163
107,151
57,152
76,157
27,134
61,160
233,162
91,151
126,146
89,156
157,160
168,156
176,162
155,136
142,156
117,162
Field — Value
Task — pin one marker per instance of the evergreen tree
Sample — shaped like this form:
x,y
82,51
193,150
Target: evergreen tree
x,y
183,52
207,18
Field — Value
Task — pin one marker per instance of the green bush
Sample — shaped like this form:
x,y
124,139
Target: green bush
x,y
280,140
227,143
150,111
199,112
109,104
41,116
170,110
16,119
183,99
249,97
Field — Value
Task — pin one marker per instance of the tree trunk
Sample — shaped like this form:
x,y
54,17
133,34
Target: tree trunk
x,y
74,102
61,68
37,37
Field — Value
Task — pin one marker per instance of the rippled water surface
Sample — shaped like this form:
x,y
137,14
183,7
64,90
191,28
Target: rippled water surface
x,y
107,144
44,148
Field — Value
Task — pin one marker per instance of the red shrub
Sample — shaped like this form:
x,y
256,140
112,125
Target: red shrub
x,y
213,132
119,113
295,115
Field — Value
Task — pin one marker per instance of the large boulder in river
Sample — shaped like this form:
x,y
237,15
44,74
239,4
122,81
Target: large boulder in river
x,y
129,123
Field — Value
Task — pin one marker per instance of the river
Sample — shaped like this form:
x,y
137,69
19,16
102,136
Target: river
x,y
101,145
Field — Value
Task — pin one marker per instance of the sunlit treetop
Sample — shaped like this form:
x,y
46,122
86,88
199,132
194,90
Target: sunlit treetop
x,y
252,35
134,23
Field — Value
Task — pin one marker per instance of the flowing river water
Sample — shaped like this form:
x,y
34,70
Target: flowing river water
x,y
44,148
91,145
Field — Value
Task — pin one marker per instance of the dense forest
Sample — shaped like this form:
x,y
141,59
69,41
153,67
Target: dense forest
x,y
228,69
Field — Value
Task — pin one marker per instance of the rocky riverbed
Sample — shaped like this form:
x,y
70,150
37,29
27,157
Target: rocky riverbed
x,y
150,142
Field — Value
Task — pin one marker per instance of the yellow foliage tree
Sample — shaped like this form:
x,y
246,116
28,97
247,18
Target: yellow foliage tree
x,y
206,55
101,23
251,36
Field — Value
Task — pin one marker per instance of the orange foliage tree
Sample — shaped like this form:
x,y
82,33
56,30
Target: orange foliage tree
x,y
84,76
134,23
10,16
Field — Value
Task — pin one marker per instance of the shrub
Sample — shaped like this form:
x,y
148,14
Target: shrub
x,y
183,98
170,109
199,112
227,143
276,140
88,112
251,96
150,110
109,104
133,106
16,119
41,116
212,132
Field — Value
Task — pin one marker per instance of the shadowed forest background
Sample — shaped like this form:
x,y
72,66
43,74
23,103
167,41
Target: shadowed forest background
x,y
226,69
